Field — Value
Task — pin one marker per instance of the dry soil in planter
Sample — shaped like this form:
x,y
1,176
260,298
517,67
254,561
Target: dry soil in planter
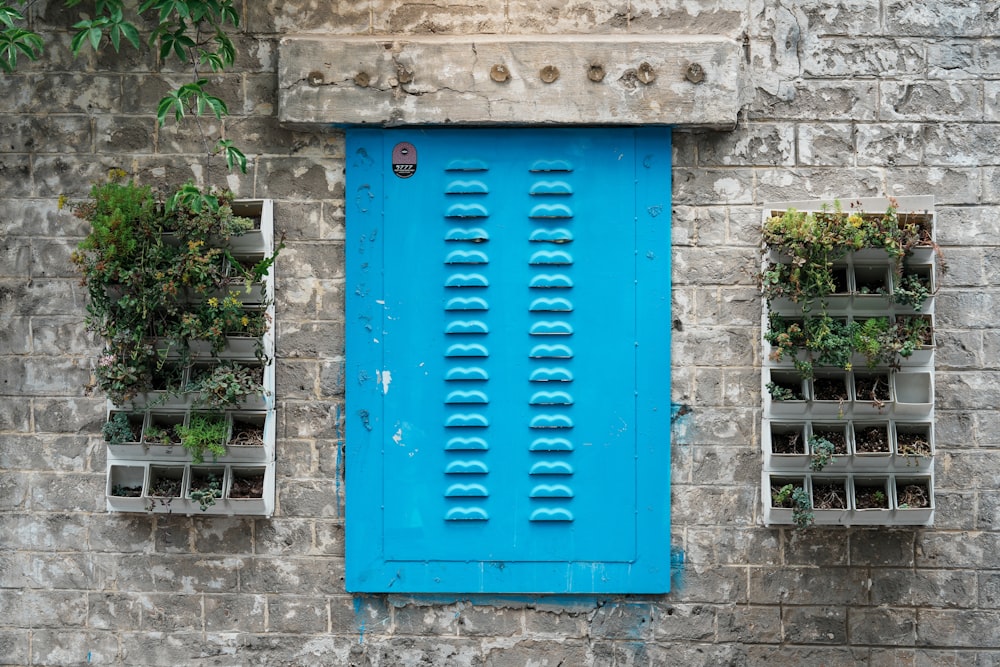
x,y
871,439
912,496
874,388
829,389
831,496
247,486
870,497
912,444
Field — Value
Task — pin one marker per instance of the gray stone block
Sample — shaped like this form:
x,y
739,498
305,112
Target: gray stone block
x,y
750,624
829,586
958,628
835,56
297,615
120,612
45,608
882,548
67,492
710,583
950,17
222,535
567,652
303,576
966,550
889,144
300,178
814,625
882,626
758,144
923,588
684,622
73,647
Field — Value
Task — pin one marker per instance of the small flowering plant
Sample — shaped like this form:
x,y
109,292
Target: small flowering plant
x,y
153,268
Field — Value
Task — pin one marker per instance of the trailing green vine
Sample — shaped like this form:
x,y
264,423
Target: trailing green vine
x,y
195,33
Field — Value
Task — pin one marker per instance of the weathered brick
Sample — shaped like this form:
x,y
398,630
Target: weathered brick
x,y
113,611
750,624
814,625
923,588
297,615
873,56
709,583
310,340
818,548
759,144
824,143
882,626
73,647
878,547
950,17
697,187
889,144
684,622
958,628
968,550
292,576
554,651
45,609
808,586
300,178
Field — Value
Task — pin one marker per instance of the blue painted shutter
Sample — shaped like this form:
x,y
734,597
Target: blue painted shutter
x,y
508,338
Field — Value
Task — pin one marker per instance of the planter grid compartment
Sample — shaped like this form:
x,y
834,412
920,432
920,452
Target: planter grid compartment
x,y
137,470
909,498
866,286
165,488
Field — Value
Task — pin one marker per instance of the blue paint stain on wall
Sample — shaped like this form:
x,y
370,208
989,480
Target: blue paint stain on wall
x,y
678,410
677,566
339,444
359,618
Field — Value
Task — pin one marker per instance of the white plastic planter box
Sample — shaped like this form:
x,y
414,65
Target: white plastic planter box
x,y
822,486
785,378
868,460
863,403
871,516
780,432
905,433
180,478
142,464
261,239
236,452
125,487
906,514
830,407
871,285
914,392
830,431
780,515
908,411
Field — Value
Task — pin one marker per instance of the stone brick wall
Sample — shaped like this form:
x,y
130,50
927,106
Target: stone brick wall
x,y
843,98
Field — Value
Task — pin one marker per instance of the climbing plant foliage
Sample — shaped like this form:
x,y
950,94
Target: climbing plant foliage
x,y
197,33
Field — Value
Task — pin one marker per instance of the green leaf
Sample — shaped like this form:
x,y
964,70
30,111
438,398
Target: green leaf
x,y
217,105
8,15
172,101
233,155
18,40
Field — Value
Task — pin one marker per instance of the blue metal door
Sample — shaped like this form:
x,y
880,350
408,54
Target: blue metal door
x,y
508,323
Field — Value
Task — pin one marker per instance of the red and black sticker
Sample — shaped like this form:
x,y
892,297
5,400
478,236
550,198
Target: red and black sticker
x,y
404,159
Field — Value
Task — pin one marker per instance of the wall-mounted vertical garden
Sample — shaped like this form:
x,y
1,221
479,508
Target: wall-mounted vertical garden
x,y
182,294
848,373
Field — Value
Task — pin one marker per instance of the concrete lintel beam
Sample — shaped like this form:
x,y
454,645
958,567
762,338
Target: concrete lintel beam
x,y
492,80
